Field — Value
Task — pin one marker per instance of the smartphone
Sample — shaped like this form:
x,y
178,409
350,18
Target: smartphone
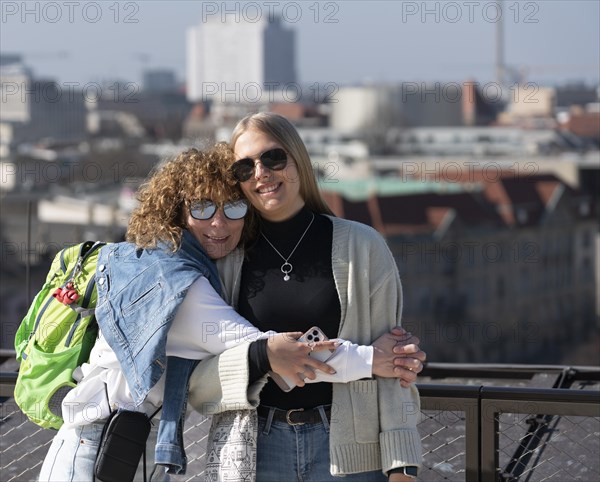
x,y
313,334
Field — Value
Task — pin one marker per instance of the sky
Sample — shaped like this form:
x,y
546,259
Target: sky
x,y
548,42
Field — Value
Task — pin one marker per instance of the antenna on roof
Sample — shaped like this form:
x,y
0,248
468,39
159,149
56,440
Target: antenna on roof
x,y
500,47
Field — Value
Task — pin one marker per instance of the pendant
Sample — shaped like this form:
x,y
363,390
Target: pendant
x,y
286,269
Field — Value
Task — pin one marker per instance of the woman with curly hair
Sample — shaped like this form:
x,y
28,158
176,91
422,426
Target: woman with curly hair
x,y
193,175
159,311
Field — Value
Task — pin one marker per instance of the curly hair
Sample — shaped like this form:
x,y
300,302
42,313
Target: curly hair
x,y
161,215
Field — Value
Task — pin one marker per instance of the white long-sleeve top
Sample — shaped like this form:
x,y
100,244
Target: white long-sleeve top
x,y
204,325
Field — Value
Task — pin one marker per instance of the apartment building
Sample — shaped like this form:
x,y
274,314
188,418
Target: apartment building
x,y
502,271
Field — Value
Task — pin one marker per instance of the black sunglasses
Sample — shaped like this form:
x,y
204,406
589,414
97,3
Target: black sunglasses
x,y
274,159
206,209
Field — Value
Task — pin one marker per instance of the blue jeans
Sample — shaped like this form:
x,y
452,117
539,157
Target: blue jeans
x,y
299,452
72,456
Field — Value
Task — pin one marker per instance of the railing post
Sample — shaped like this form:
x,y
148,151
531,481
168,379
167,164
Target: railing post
x,y
472,443
490,428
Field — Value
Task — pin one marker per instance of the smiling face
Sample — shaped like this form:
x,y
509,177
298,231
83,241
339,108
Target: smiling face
x,y
218,235
275,194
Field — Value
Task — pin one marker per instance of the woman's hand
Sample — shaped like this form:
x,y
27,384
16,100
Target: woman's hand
x,y
397,354
290,358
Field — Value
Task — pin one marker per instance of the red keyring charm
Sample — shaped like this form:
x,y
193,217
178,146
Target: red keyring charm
x,y
70,297
58,294
66,295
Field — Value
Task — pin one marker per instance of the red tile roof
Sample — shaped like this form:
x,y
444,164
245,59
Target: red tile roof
x,y
509,201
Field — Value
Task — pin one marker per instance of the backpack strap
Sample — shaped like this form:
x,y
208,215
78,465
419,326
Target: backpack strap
x,y
86,249
83,312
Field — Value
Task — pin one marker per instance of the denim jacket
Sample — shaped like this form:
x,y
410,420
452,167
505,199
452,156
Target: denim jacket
x,y
139,291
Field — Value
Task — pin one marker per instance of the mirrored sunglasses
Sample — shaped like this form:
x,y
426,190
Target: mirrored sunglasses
x,y
274,159
205,209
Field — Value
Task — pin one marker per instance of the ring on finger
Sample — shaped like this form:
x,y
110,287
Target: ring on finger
x,y
311,344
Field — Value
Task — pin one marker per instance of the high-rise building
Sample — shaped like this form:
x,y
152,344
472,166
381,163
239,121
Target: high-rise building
x,y
14,79
239,61
32,109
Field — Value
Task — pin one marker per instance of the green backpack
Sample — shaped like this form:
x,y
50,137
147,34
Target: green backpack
x,y
57,334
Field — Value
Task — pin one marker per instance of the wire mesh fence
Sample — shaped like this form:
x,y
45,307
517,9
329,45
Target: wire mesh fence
x,y
530,447
548,448
444,445
23,446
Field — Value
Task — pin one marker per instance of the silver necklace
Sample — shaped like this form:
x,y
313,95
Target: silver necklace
x,y
286,267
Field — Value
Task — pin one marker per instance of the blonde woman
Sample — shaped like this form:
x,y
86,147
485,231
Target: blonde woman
x,y
306,265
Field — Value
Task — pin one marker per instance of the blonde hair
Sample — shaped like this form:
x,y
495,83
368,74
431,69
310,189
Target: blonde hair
x,y
285,134
161,215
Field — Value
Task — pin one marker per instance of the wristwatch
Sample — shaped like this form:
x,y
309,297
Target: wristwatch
x,y
409,470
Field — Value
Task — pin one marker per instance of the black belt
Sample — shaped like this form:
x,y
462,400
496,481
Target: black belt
x,y
295,416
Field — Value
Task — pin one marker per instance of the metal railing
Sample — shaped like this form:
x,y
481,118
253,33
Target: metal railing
x,y
475,432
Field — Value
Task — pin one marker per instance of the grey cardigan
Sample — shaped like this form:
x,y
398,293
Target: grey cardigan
x,y
374,425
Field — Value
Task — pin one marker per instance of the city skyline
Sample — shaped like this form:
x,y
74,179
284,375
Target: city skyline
x,y
547,42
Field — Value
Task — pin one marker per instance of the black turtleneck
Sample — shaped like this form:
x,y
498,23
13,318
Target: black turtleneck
x,y
309,297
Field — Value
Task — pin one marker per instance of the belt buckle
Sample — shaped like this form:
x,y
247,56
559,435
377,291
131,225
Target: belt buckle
x,y
289,412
